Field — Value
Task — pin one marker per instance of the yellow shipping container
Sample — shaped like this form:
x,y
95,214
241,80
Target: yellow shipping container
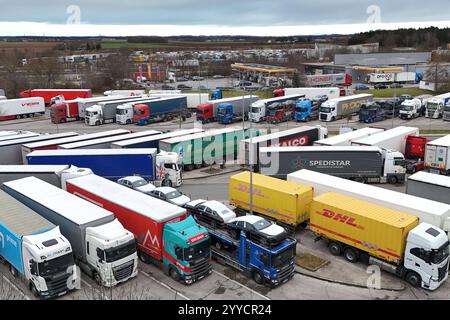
x,y
284,201
379,231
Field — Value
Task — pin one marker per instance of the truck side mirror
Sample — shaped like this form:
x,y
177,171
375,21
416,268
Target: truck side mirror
x,y
33,269
178,253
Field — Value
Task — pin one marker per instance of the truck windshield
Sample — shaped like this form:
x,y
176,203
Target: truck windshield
x,y
138,111
198,250
222,111
301,109
117,253
432,106
439,255
407,108
91,113
447,108
255,110
325,110
283,258
59,264
120,111
200,111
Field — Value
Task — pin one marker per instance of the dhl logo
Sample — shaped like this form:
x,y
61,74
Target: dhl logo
x,y
339,217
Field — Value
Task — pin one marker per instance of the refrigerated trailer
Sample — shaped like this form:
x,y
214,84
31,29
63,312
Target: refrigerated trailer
x,y
53,144
47,270
364,164
345,139
11,150
105,143
301,136
430,186
432,212
103,248
21,108
393,139
437,155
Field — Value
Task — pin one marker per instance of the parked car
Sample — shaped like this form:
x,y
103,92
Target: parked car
x,y
210,211
396,85
183,86
180,79
320,98
137,183
391,107
167,87
361,87
244,83
202,87
218,76
197,78
171,195
404,97
380,86
257,228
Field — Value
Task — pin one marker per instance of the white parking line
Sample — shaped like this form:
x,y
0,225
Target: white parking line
x,y
240,284
16,288
164,285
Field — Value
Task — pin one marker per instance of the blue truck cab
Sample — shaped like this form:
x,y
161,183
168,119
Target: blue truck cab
x,y
225,113
269,266
303,109
216,95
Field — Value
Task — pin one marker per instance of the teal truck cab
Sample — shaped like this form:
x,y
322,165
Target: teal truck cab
x,y
216,95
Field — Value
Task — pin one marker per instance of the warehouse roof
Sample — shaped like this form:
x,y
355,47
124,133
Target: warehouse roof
x,y
261,68
382,59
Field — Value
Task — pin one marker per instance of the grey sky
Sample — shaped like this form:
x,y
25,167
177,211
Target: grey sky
x,y
227,13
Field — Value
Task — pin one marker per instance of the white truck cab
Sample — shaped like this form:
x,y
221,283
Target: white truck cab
x,y
124,114
328,111
394,166
48,264
112,249
94,115
257,111
427,255
434,108
410,109
168,169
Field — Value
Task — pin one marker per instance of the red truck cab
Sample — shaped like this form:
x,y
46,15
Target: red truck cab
x,y
140,113
61,112
205,112
278,93
415,153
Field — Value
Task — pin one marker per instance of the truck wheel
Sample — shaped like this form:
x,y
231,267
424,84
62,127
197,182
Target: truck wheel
x,y
413,279
360,180
97,123
392,180
174,274
259,279
33,290
183,118
128,121
333,118
218,245
351,255
97,278
13,271
335,248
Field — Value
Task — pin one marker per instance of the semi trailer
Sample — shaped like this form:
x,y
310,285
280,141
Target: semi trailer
x,y
18,135
21,108
429,186
432,212
418,253
437,155
207,112
342,107
363,164
345,139
334,79
35,250
393,139
103,248
192,99
310,93
164,233
49,94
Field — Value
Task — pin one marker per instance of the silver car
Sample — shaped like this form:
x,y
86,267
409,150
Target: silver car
x,y
171,195
137,183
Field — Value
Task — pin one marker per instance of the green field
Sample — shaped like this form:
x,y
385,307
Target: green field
x,y
387,93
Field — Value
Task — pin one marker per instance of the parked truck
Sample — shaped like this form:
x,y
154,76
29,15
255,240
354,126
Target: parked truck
x,y
259,109
415,153
156,109
164,233
207,112
11,150
192,99
342,107
307,109
71,110
410,109
152,141
429,186
432,212
49,94
301,136
415,252
363,164
161,168
205,148
229,113
446,112
334,79
345,139
21,108
437,155
105,143
127,93
104,112
35,250
285,202
393,139
331,92
394,77
53,144
371,112
103,248
56,175
434,107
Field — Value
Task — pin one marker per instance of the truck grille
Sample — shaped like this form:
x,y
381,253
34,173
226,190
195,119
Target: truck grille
x,y
442,271
286,272
200,268
57,285
323,116
123,271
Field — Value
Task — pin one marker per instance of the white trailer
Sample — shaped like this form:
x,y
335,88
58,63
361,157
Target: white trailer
x,y
433,212
193,99
341,107
393,139
345,139
84,103
105,143
403,77
20,135
126,93
437,155
310,93
431,186
11,150
388,77
21,108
